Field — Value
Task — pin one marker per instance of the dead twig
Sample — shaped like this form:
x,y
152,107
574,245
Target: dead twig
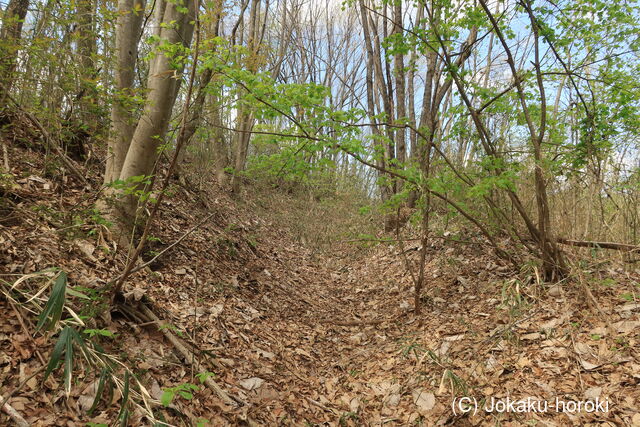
x,y
190,359
351,323
600,245
162,252
320,405
47,139
13,414
10,394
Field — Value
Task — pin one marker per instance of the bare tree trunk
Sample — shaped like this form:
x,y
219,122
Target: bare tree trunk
x,y
245,118
163,79
553,266
241,149
86,51
374,75
220,150
196,109
401,112
128,29
385,90
10,37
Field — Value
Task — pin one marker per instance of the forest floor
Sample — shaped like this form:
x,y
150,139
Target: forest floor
x,y
308,336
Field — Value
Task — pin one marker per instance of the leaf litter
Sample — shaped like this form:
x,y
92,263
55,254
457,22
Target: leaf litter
x,y
325,339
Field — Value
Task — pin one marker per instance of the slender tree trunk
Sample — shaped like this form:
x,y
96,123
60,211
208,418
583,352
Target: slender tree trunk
x,y
374,69
220,150
401,112
245,118
10,37
196,109
164,76
128,29
86,51
243,137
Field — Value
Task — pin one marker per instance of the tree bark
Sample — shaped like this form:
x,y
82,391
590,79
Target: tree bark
x,y
373,76
245,118
401,112
164,77
128,30
10,37
220,149
86,51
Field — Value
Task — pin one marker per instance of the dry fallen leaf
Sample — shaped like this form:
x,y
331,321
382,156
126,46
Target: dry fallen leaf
x,y
251,383
136,294
424,400
33,383
266,354
216,309
86,248
357,338
626,326
555,290
593,393
523,362
354,404
531,337
392,400
588,365
632,306
88,395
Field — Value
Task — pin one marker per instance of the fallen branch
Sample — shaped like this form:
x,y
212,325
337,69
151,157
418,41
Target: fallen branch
x,y
13,414
320,405
351,323
190,360
600,245
11,393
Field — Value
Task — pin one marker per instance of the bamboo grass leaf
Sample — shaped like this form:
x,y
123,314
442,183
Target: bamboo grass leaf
x,y
53,310
103,379
56,354
68,364
124,412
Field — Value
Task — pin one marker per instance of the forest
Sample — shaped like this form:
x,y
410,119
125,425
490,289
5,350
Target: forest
x,y
319,212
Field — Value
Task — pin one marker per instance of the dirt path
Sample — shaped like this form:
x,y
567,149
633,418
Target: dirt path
x,y
336,342
332,339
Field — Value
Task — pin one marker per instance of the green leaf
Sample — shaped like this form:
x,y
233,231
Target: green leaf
x,y
68,363
186,395
103,378
75,293
124,412
167,397
102,332
202,376
124,417
53,309
68,337
56,354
